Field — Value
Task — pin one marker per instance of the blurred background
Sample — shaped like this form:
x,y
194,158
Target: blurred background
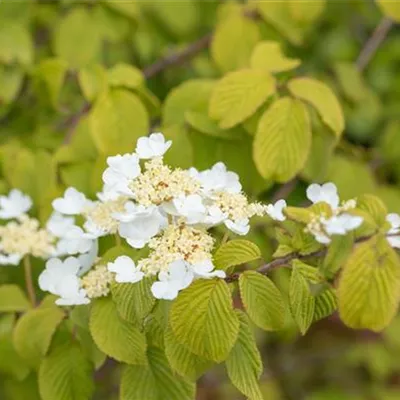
x,y
72,73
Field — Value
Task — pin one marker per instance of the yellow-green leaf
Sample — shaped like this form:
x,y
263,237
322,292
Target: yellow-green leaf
x,y
390,8
244,364
236,252
322,98
268,56
11,79
282,141
16,44
77,27
93,81
134,301
114,336
65,374
181,359
125,75
154,381
13,299
262,300
202,318
338,251
306,12
34,331
233,42
239,94
117,121
369,287
351,81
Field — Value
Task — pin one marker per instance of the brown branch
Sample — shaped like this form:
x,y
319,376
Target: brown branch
x,y
373,43
72,121
285,261
284,191
179,57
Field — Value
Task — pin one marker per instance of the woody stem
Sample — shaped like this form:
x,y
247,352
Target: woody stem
x,y
28,280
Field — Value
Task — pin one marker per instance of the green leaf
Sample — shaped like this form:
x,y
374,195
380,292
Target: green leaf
x,y
34,331
374,207
390,8
282,141
351,81
118,119
65,374
302,302
16,45
244,364
192,95
279,15
233,42
134,301
114,336
322,98
236,252
369,286
181,359
52,73
155,381
268,56
202,318
262,300
13,299
124,75
11,79
93,81
338,251
204,124
77,26
306,12
239,94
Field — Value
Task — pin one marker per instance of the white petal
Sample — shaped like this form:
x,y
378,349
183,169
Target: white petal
x,y
240,227
72,203
14,205
394,241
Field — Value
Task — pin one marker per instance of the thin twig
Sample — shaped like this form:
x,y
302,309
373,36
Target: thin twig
x,y
373,43
285,261
29,281
284,191
71,122
179,57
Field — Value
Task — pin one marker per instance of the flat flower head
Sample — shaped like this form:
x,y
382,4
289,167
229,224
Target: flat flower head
x,y
275,211
125,270
72,203
14,205
152,146
323,193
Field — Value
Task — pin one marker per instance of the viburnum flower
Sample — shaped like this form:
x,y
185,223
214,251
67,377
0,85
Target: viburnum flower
x,y
323,193
125,270
152,146
275,211
61,279
394,221
72,203
14,205
341,224
178,276
205,269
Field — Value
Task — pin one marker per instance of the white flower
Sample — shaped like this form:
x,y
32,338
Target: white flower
x,y
121,170
320,237
152,146
394,221
240,227
275,210
218,178
179,276
140,224
86,260
59,224
71,293
72,203
125,269
14,205
191,207
340,225
323,193
74,241
214,216
204,269
10,259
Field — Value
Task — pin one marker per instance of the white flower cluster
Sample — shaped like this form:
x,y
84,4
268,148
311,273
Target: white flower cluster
x,y
339,221
22,235
148,204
